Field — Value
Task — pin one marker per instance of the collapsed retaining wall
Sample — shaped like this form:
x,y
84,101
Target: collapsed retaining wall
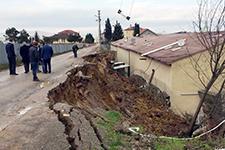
x,y
93,85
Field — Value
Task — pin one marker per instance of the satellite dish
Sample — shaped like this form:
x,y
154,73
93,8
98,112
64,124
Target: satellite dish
x,y
181,42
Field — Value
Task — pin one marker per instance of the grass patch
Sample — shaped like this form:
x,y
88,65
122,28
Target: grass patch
x,y
196,144
113,139
167,144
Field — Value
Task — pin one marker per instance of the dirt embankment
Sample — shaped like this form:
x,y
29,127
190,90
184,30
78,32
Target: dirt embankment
x,y
93,85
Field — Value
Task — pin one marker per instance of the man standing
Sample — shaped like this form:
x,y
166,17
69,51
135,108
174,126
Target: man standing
x,y
11,57
75,49
47,53
34,58
24,53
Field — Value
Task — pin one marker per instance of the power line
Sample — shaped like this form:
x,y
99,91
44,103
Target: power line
x,y
121,4
131,7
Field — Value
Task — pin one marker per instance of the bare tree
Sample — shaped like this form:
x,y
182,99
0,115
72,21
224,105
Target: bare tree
x,y
210,32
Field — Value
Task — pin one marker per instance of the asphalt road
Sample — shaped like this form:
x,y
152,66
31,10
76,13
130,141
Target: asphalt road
x,y
26,122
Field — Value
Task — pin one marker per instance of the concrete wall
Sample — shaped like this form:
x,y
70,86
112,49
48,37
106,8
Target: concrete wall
x,y
57,48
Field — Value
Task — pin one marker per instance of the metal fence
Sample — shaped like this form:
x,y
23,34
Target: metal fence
x,y
57,48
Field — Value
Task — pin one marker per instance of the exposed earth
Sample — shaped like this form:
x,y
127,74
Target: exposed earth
x,y
93,89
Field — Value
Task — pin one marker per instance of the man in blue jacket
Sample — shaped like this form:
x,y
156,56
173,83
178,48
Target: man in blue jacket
x,y
34,59
46,55
24,53
11,57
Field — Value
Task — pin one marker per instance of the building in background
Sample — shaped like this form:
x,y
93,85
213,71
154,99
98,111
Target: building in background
x,y
128,33
62,36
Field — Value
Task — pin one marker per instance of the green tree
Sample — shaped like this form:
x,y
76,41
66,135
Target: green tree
x,y
136,30
108,30
47,39
89,38
36,37
118,32
74,38
23,36
11,33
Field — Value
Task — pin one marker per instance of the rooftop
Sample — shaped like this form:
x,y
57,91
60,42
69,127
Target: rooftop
x,y
65,33
164,48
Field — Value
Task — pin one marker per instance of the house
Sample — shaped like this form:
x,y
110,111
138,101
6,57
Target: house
x,y
128,33
62,36
171,56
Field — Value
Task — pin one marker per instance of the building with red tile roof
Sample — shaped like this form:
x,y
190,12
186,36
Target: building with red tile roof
x,y
62,36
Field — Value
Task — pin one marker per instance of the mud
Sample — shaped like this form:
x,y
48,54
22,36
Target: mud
x,y
94,85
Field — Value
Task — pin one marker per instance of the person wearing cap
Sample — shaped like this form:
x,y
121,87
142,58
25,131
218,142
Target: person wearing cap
x,y
24,53
11,57
34,59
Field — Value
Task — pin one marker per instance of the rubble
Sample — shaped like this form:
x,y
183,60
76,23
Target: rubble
x,y
94,86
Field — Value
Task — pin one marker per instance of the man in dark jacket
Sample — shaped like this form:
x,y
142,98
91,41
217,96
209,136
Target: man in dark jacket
x,y
47,53
75,49
11,57
34,58
24,53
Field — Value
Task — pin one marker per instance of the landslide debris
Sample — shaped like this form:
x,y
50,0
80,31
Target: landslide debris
x,y
94,85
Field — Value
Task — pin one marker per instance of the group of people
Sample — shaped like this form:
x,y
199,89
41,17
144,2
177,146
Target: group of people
x,y
33,54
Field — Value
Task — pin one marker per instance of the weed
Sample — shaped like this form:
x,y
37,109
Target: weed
x,y
114,139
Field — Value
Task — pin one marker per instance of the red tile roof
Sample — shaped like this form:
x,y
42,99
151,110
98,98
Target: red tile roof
x,y
67,32
167,55
64,34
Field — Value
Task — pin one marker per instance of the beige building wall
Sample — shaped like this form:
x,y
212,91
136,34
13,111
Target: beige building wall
x,y
61,41
185,87
186,83
128,33
162,77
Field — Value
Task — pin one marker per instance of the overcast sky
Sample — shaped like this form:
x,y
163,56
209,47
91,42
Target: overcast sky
x,y
52,16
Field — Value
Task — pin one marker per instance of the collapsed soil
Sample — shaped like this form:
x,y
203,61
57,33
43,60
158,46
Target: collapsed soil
x,y
94,85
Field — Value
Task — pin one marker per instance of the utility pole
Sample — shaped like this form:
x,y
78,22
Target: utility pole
x,y
99,28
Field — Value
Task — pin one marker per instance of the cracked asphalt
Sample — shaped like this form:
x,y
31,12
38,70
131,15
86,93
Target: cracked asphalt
x,y
26,122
